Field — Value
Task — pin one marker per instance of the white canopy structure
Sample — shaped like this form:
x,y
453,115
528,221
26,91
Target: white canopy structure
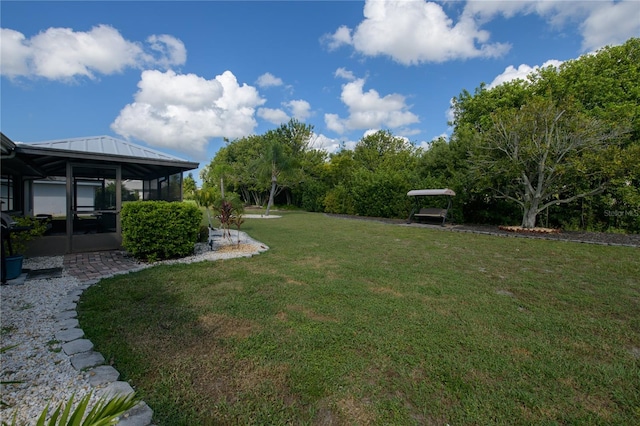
x,y
419,212
427,192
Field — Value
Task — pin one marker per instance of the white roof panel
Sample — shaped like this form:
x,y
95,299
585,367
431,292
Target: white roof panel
x,y
417,192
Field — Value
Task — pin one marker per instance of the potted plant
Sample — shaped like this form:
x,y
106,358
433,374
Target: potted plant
x,y
29,228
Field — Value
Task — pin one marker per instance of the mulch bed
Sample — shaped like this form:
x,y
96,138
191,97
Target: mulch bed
x,y
604,238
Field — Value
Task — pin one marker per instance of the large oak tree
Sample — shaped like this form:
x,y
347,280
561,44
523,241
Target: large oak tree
x,y
529,152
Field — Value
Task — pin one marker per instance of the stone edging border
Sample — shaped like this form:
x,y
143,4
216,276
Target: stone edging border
x,y
538,237
84,358
504,234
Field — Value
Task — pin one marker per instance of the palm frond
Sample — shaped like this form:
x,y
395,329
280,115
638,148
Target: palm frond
x,y
105,412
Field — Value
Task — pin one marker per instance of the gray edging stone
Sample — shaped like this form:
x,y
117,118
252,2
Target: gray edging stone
x,y
66,315
69,334
67,306
83,357
140,415
77,346
68,323
86,360
102,375
117,388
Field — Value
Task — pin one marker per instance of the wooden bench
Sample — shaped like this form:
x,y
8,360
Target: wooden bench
x,y
432,213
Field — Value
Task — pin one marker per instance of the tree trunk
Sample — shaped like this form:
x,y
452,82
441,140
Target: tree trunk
x,y
530,212
529,218
271,194
531,203
222,187
256,198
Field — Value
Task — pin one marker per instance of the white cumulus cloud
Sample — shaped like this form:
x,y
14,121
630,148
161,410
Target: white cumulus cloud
x,y
601,22
183,111
268,80
339,38
167,50
415,31
324,143
344,73
14,53
65,54
611,24
418,31
512,73
275,116
369,110
300,109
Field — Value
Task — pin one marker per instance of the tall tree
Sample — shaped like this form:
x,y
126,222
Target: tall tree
x,y
189,187
235,164
528,153
295,135
602,87
273,162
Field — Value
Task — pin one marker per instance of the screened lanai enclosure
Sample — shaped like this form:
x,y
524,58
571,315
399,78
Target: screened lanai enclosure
x,y
79,186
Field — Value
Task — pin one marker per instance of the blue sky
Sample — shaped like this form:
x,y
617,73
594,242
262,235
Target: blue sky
x,y
179,77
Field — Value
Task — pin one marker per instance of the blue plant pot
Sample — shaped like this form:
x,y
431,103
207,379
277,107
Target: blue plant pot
x,y
14,266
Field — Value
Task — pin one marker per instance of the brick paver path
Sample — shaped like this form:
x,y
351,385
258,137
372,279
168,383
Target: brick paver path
x,y
95,265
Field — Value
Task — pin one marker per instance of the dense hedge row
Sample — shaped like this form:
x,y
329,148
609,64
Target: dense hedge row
x,y
156,230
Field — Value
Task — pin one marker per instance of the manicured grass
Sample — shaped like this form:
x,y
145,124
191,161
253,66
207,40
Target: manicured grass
x,y
357,322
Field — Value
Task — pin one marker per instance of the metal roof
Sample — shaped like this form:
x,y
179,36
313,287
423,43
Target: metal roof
x,y
105,145
12,164
137,162
419,192
6,145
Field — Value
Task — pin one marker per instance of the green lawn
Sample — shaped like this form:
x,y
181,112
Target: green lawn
x,y
358,322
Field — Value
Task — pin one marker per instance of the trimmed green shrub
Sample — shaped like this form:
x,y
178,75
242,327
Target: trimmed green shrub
x,y
338,200
156,230
381,193
312,195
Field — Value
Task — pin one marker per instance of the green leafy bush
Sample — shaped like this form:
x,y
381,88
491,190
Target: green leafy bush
x,y
156,230
381,194
19,240
312,195
338,200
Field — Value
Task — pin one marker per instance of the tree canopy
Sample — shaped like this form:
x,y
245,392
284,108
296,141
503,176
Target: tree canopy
x,y
560,148
586,159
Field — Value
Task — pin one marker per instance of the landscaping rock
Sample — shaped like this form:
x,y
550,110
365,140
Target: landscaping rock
x,y
117,388
86,360
69,335
77,346
102,375
66,315
68,323
140,415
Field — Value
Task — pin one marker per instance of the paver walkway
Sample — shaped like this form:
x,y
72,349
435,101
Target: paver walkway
x,y
94,265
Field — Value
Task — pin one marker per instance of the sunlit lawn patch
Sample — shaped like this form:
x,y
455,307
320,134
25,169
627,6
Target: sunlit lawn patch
x,y
354,322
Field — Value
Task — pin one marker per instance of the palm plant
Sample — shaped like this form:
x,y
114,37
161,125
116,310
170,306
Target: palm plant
x,y
105,412
274,162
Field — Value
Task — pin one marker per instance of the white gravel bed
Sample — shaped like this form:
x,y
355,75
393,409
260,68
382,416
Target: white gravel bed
x,y
27,318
